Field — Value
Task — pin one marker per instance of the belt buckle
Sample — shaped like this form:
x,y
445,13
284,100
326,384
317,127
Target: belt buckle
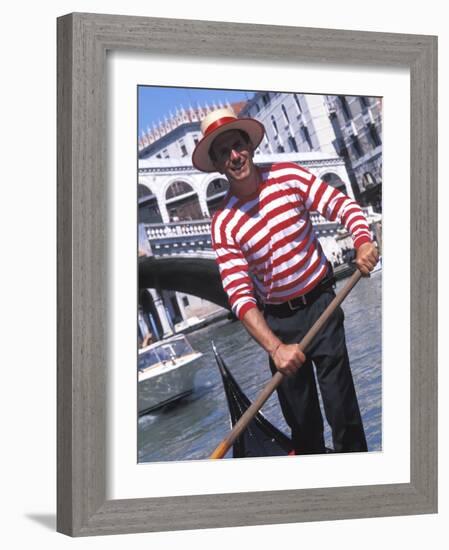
x,y
293,308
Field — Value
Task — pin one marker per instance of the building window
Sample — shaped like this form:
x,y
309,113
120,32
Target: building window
x,y
183,150
275,126
165,153
182,202
306,136
356,146
196,140
280,149
368,179
284,112
345,107
185,301
329,103
293,144
267,144
364,102
374,135
266,99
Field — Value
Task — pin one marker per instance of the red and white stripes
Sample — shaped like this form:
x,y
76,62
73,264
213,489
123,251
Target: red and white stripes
x,y
266,245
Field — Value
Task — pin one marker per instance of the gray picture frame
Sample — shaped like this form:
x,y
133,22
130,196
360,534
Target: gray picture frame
x,y
83,42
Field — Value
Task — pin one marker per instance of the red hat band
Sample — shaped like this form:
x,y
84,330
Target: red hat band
x,y
220,122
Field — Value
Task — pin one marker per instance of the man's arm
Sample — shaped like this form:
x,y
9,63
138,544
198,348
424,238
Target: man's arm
x,y
336,206
286,357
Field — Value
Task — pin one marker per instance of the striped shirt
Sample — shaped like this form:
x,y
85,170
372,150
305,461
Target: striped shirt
x,y
265,244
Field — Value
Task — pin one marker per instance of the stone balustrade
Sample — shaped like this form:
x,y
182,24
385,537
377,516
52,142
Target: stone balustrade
x,y
191,237
177,229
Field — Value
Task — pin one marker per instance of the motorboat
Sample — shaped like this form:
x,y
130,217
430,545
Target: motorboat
x,y
166,372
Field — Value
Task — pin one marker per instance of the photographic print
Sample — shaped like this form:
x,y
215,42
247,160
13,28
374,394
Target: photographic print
x,y
254,209
101,487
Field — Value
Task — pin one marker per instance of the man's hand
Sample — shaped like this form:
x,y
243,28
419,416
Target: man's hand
x,y
366,258
288,358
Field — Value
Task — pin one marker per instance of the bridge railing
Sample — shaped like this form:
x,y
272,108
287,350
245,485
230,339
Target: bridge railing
x,y
190,237
177,229
184,237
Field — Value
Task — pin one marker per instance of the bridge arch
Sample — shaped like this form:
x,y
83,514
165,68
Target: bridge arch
x,y
149,211
182,200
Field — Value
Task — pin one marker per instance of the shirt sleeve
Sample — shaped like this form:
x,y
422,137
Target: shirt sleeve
x,y
333,205
234,272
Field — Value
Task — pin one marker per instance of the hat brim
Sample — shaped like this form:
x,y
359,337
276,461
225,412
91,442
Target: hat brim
x,y
200,157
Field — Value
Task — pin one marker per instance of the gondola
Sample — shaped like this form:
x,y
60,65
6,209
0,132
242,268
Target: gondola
x,y
260,438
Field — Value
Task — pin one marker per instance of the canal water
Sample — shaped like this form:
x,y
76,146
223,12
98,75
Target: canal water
x,y
195,425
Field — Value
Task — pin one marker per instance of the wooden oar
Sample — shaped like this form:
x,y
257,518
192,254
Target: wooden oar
x,y
249,414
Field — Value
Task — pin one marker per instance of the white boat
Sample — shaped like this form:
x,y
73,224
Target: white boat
x,y
166,372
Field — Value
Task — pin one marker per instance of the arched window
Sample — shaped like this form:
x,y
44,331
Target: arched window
x,y
143,191
148,206
182,202
178,188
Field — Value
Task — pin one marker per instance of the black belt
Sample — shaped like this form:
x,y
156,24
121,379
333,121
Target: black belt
x,y
300,302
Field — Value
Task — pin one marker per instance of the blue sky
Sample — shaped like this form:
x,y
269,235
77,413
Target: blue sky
x,y
155,102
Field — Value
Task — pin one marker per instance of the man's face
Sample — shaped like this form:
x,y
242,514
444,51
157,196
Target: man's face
x,y
233,156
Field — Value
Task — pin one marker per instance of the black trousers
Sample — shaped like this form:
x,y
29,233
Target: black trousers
x,y
298,393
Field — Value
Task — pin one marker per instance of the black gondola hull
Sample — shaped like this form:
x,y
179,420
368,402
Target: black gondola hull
x,y
260,438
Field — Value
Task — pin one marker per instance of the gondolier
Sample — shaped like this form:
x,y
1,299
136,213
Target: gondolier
x,y
268,253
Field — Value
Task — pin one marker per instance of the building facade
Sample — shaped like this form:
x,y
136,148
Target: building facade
x,y
347,126
357,123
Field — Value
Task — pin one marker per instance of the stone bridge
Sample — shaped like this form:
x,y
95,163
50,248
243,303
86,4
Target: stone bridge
x,y
178,255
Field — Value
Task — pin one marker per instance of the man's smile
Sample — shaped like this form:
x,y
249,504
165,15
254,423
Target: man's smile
x,y
237,166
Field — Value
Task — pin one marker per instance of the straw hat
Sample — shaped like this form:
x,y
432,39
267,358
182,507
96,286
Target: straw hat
x,y
217,122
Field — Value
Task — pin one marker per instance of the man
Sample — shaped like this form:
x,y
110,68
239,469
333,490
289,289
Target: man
x,y
268,254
